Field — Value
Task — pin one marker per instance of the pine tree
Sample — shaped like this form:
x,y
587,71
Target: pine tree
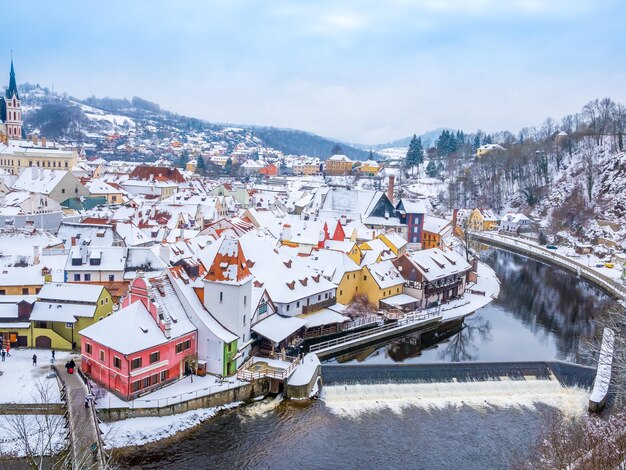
x,y
201,165
181,161
415,154
431,169
228,167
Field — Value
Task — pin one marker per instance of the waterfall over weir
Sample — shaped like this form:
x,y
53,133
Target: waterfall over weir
x,y
353,390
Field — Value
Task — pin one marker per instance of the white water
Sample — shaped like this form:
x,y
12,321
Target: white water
x,y
355,399
262,407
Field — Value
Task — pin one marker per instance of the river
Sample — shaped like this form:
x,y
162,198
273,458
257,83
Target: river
x,y
542,313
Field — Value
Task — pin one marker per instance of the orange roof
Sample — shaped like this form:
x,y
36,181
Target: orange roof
x,y
229,264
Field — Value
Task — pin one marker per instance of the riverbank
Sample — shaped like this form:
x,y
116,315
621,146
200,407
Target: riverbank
x,y
604,278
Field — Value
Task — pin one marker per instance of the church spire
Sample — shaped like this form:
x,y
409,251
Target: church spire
x,y
12,90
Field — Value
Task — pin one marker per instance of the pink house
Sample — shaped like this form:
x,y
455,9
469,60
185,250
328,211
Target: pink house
x,y
150,341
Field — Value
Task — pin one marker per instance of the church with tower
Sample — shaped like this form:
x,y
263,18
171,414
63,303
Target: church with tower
x,y
10,110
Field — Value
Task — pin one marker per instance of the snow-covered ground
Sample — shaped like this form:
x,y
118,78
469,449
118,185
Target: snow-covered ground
x,y
429,187
140,431
180,391
24,435
19,379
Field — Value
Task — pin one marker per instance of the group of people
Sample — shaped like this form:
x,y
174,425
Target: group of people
x,y
5,352
70,366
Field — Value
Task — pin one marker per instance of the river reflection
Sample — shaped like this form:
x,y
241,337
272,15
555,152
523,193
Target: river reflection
x,y
542,313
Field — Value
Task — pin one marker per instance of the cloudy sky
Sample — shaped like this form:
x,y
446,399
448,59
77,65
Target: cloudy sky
x,y
365,71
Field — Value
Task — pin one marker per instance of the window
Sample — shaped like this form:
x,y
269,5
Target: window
x,y
87,277
135,363
298,303
319,297
244,320
106,300
154,357
102,302
111,277
62,189
117,362
340,292
221,296
69,326
164,375
77,277
146,382
135,386
326,295
24,290
88,348
180,347
288,305
245,300
102,355
365,278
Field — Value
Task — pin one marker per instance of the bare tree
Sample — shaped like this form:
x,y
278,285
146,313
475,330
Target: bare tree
x,y
619,123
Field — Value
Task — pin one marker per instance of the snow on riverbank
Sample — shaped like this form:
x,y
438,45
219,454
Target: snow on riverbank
x,y
24,435
140,431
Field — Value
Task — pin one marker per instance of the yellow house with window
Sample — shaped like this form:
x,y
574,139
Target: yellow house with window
x,y
482,220
63,309
380,281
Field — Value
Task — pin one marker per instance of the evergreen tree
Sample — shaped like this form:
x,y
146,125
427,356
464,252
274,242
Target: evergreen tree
x,y
228,168
370,156
201,165
431,169
181,161
415,154
337,150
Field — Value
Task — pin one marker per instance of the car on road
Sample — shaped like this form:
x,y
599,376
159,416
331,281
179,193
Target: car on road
x,y
609,265
551,247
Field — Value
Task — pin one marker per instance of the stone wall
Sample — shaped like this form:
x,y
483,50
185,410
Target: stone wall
x,y
244,392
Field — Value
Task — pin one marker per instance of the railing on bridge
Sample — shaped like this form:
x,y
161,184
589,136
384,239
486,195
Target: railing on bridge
x,y
360,322
267,372
407,320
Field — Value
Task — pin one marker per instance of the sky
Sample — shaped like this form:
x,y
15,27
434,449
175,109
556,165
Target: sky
x,y
363,71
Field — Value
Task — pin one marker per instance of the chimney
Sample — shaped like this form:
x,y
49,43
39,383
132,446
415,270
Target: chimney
x,y
286,233
343,220
455,215
44,141
391,188
35,254
167,328
35,139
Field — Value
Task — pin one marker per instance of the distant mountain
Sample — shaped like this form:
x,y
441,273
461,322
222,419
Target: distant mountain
x,y
89,120
290,141
429,139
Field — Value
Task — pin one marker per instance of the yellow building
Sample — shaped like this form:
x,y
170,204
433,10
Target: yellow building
x,y
395,242
369,168
98,187
62,310
487,149
191,165
481,220
19,154
380,281
338,165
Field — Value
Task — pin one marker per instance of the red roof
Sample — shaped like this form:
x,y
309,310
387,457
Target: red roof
x,y
159,173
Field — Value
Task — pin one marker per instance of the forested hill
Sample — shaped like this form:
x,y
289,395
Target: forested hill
x,y
296,142
62,117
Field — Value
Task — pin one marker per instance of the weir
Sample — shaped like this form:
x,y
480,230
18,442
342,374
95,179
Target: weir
x,y
567,374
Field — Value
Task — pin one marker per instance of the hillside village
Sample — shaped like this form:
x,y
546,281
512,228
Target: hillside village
x,y
223,261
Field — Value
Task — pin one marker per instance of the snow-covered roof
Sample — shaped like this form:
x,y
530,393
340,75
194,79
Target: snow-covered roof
x,y
277,328
436,263
385,274
88,293
129,330
61,311
323,317
39,179
434,224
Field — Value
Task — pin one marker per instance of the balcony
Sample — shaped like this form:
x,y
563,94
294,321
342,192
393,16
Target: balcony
x,y
319,305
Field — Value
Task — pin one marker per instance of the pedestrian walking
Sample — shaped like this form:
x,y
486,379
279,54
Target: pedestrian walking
x,y
4,353
34,359
72,364
53,354
8,350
